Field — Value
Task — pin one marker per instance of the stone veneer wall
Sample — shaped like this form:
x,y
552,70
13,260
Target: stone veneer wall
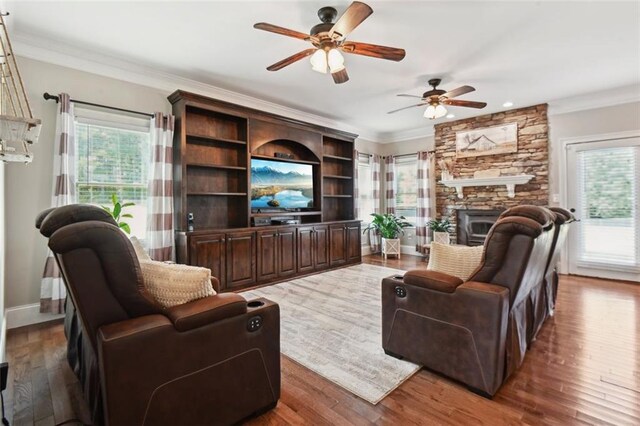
x,y
532,158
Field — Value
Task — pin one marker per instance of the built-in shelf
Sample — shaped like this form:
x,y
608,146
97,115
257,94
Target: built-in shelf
x,y
509,181
215,166
287,160
337,177
214,139
220,194
337,157
315,213
337,196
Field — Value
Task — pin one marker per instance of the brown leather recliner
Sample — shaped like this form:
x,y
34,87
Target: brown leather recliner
x,y
563,219
212,361
476,331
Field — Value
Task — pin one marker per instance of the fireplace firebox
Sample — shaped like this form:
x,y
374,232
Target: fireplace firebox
x,y
473,225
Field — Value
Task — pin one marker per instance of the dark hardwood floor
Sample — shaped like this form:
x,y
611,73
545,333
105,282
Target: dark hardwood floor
x,y
584,368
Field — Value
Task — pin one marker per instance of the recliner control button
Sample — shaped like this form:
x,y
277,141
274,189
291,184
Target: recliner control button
x,y
254,323
400,291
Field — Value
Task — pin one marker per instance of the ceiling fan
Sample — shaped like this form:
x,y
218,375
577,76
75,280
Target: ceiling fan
x,y
437,98
328,40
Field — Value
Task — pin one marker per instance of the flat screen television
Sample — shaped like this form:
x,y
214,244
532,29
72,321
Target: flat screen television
x,y
281,185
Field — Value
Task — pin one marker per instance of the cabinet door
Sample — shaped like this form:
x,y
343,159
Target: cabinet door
x,y
208,251
286,251
267,254
305,249
338,245
321,247
241,252
354,251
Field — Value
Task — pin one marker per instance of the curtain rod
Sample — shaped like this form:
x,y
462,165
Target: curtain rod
x,y
47,97
433,151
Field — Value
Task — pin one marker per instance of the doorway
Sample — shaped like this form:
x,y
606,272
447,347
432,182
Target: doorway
x,y
603,191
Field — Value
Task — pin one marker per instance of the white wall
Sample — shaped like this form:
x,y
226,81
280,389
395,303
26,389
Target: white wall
x,y
28,188
3,248
612,119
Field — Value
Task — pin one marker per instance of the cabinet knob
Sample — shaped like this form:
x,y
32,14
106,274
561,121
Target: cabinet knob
x,y
223,240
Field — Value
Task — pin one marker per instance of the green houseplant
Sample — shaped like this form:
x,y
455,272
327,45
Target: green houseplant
x,y
390,227
441,229
116,212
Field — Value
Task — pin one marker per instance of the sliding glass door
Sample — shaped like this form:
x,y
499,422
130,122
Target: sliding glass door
x,y
604,190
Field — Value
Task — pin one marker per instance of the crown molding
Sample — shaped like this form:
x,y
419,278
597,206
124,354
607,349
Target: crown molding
x,y
595,100
407,135
61,54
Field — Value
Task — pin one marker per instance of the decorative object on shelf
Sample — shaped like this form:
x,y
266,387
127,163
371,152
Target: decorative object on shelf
x,y
390,227
437,98
493,140
117,214
509,181
441,229
18,128
284,155
446,169
328,40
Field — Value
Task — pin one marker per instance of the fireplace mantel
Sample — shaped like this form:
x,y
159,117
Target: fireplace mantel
x,y
509,181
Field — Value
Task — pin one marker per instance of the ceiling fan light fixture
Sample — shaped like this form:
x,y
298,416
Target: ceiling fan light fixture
x,y
319,61
335,60
435,111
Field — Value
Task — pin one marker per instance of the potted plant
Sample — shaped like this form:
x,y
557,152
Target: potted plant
x,y
117,214
390,227
441,229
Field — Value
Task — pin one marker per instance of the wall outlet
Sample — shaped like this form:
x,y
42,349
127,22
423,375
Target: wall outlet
x,y
555,198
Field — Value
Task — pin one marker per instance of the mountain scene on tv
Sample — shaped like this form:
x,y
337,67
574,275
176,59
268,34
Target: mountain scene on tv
x,y
276,184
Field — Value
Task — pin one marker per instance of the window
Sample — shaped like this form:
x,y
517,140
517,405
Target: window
x,y
407,187
113,156
365,189
608,179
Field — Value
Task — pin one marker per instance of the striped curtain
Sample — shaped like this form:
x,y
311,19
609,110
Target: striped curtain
x,y
390,183
374,238
423,210
160,238
52,289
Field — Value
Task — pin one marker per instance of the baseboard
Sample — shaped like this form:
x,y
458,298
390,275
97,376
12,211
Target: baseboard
x,y
3,339
19,316
365,250
410,250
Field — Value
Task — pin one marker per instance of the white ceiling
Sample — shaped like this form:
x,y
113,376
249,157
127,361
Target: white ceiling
x,y
524,52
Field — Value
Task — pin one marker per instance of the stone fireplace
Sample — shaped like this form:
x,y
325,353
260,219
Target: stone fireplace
x,y
473,225
531,158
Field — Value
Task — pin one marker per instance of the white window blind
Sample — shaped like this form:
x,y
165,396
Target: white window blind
x,y
407,187
365,188
113,157
608,184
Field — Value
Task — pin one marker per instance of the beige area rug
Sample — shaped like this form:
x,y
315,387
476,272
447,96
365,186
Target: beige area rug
x,y
331,324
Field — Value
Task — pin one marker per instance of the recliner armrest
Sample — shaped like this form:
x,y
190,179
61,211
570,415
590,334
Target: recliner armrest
x,y
207,310
432,280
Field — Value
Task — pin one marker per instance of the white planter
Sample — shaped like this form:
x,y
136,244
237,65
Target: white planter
x,y
441,237
390,246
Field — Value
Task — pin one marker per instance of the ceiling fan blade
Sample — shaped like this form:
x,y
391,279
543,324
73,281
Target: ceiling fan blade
x,y
409,96
350,19
340,77
291,59
373,50
280,30
410,106
461,103
457,92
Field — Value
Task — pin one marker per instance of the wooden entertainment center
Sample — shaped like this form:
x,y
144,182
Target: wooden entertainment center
x,y
214,143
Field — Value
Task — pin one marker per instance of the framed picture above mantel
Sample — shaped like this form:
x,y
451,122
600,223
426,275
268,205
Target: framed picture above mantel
x,y
501,139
